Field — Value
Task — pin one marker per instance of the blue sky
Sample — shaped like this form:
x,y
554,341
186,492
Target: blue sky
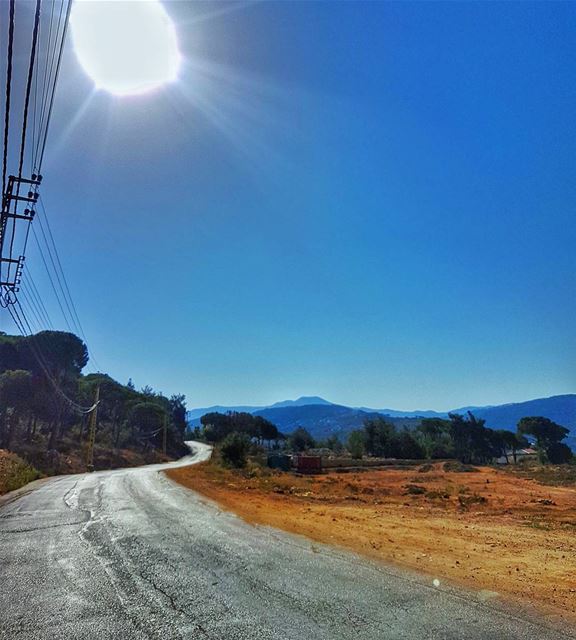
x,y
372,202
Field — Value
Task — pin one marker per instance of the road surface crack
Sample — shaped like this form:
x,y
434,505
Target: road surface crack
x,y
48,526
173,605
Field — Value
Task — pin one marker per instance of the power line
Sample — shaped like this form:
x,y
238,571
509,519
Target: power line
x,y
38,315
29,280
50,278
8,92
53,92
23,325
25,123
44,82
57,274
71,306
34,313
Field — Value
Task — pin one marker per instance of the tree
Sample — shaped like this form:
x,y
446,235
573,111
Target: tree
x,y
266,429
357,443
147,421
333,443
405,446
56,353
300,440
379,434
509,441
177,406
234,449
433,434
473,442
15,394
548,434
559,453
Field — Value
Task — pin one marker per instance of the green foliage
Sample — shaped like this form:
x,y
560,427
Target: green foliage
x,y
34,415
332,442
300,440
234,449
14,472
559,453
217,426
548,435
357,443
379,434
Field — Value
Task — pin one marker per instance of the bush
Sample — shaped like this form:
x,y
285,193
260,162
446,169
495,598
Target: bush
x,y
234,449
414,490
14,472
458,467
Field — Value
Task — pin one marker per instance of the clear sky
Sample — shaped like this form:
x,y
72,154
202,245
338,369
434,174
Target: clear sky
x,y
372,202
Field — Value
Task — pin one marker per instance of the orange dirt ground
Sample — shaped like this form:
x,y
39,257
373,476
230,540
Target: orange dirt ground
x,y
485,529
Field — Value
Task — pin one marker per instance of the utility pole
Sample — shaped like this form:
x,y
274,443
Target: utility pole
x,y
92,431
164,433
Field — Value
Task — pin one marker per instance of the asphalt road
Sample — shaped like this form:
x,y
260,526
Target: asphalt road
x,y
128,554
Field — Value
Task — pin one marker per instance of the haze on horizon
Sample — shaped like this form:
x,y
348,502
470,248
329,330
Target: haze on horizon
x,y
368,202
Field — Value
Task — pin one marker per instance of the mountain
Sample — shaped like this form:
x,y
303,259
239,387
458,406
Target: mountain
x,y
560,409
323,418
193,415
300,402
394,413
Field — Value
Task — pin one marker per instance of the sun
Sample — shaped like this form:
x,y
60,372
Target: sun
x,y
126,47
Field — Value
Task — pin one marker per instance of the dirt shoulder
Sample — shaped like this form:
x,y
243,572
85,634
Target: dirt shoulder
x,y
486,529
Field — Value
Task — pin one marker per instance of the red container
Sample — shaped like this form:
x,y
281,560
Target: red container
x,y
308,464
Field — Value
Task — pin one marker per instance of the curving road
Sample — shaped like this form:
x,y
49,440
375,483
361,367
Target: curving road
x,y
128,554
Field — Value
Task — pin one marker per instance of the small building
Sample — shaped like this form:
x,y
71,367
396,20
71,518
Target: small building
x,y
521,454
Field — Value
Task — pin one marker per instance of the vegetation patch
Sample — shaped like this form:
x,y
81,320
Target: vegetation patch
x,y
415,490
466,501
458,467
14,472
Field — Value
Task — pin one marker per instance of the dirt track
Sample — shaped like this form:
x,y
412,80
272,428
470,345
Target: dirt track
x,y
486,529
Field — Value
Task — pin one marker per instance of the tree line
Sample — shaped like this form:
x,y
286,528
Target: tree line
x,y
465,438
42,391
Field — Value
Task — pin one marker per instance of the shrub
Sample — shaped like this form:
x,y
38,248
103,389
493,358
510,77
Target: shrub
x,y
14,472
234,449
459,467
467,501
415,490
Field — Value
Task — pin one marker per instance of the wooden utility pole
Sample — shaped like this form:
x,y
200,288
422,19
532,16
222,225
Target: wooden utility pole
x,y
92,431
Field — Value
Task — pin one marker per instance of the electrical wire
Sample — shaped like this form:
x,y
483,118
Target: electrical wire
x,y
62,279
25,123
21,321
8,92
36,310
51,279
28,280
53,91
44,80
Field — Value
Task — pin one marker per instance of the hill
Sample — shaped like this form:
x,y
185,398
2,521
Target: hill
x,y
323,418
560,409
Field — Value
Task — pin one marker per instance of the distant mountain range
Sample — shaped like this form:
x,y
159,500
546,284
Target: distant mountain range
x,y
323,418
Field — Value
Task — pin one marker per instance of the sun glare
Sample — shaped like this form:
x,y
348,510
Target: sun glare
x,y
125,47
